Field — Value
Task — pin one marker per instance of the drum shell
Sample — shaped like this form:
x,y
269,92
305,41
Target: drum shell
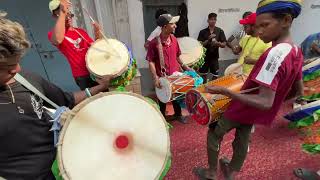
x,y
216,104
68,117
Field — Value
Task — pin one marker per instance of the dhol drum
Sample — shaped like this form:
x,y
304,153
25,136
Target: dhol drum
x,y
311,78
311,138
111,58
192,52
205,108
235,68
174,87
303,111
112,136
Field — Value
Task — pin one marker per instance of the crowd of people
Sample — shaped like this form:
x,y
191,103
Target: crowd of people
x,y
270,59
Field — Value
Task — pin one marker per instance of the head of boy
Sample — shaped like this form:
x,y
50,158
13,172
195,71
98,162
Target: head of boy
x,y
13,45
212,19
249,23
168,23
274,18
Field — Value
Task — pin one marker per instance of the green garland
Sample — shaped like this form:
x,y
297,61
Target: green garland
x,y
200,62
305,122
313,97
55,170
166,168
311,148
126,77
311,76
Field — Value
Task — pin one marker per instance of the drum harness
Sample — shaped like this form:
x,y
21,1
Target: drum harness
x,y
59,110
164,71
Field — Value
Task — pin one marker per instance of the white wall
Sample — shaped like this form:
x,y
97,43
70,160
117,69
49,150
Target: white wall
x,y
137,31
308,22
228,21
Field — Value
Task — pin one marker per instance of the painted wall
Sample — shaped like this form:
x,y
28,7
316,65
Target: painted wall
x,y
229,12
308,22
137,31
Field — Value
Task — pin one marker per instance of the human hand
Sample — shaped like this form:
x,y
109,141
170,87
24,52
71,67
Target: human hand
x,y
65,6
104,81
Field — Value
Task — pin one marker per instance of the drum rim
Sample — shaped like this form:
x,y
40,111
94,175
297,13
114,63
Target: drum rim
x,y
68,116
200,45
226,73
158,90
208,104
116,74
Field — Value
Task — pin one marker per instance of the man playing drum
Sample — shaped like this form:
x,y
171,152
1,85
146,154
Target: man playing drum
x,y
278,77
166,61
251,46
72,42
27,148
239,33
212,39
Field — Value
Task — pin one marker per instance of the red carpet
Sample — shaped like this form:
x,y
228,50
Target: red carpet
x,y
274,152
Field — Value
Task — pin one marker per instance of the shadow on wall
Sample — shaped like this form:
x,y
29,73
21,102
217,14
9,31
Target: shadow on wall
x,y
147,82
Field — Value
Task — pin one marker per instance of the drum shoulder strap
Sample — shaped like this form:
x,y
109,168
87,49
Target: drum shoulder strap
x,y
161,57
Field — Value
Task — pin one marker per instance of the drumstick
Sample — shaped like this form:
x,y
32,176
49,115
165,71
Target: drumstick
x,y
102,33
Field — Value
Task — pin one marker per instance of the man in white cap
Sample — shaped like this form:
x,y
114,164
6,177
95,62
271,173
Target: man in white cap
x,y
163,56
72,42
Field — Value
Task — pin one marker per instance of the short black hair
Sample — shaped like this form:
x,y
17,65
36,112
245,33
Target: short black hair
x,y
282,13
159,12
212,15
246,14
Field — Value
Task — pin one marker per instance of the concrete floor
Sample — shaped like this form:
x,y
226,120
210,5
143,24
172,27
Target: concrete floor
x,y
147,83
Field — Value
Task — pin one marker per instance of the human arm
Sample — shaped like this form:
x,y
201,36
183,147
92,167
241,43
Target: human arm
x,y
103,86
221,40
184,66
296,91
263,100
203,40
62,98
59,27
249,60
98,33
155,77
229,41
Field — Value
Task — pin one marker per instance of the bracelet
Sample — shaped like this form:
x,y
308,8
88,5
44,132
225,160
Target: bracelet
x,y
87,91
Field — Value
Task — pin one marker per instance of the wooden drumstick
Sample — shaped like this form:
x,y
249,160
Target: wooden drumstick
x,y
102,33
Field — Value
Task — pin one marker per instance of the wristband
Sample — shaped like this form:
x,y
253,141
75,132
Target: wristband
x,y
87,91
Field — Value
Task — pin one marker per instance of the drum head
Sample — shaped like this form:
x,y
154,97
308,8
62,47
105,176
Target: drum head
x,y
165,93
114,136
235,68
191,50
107,57
314,62
198,107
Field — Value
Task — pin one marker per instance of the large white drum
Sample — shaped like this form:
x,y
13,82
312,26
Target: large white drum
x,y
192,52
114,136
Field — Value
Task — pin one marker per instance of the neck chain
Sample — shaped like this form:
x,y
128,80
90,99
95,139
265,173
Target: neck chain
x,y
13,101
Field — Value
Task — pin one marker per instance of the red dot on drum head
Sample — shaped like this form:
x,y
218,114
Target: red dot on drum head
x,y
122,142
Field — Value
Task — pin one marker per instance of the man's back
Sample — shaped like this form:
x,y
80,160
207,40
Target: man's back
x,y
277,69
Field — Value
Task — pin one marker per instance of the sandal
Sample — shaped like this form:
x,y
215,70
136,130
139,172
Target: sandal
x,y
224,164
306,174
201,173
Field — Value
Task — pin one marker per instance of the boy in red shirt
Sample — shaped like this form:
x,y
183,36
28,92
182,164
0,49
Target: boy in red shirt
x,y
72,42
276,77
170,53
